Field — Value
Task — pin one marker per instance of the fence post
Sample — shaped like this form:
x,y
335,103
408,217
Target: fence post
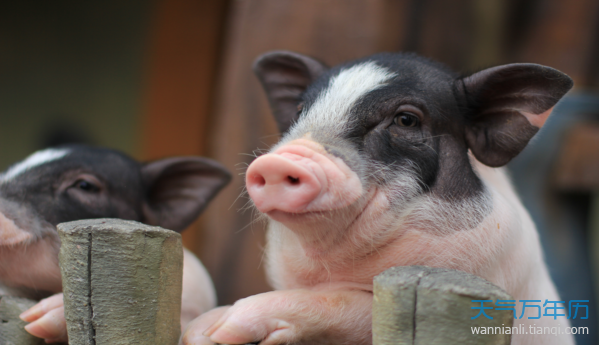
x,y
420,305
122,282
11,326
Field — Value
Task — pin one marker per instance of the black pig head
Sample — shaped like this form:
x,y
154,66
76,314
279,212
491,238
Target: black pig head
x,y
80,182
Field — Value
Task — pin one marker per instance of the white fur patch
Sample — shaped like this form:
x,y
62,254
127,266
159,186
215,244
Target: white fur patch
x,y
334,103
36,159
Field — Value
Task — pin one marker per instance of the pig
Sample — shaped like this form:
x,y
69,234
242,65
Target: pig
x,y
75,182
390,160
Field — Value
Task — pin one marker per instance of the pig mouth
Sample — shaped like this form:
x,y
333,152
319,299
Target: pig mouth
x,y
293,217
333,236
330,218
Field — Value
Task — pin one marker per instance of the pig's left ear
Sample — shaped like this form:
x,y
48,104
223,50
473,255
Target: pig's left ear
x,y
507,105
179,188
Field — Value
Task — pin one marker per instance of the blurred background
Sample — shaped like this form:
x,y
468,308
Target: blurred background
x,y
173,77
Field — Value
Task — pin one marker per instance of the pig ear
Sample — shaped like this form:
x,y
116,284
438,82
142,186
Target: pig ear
x,y
284,76
508,104
178,189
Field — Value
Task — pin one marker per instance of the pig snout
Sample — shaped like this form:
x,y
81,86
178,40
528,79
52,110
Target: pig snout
x,y
283,182
301,177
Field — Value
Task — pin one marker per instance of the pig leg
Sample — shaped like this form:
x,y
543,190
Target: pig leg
x,y
47,317
299,316
198,294
194,333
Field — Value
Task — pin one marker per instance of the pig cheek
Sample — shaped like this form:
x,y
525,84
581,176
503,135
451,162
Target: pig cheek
x,y
345,185
477,251
33,265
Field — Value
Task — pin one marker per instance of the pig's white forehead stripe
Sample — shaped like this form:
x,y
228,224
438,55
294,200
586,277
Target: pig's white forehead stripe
x,y
36,159
334,103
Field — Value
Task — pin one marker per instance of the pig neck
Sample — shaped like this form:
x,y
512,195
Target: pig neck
x,y
499,243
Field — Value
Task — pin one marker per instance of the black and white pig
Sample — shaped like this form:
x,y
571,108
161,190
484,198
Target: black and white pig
x,y
390,160
80,182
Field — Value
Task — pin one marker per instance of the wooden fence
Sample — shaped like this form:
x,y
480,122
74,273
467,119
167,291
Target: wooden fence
x,y
122,285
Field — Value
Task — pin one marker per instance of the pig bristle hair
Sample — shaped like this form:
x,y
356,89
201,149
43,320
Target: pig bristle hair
x,y
36,159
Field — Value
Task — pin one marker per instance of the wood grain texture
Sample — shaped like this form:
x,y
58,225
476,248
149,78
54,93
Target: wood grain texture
x,y
427,305
122,282
11,326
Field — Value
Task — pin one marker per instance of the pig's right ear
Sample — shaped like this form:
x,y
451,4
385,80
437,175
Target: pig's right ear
x,y
284,76
179,188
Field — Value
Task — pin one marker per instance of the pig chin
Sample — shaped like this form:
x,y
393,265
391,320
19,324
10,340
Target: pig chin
x,y
316,228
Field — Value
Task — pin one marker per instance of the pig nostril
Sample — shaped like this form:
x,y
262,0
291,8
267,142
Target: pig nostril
x,y
259,180
293,180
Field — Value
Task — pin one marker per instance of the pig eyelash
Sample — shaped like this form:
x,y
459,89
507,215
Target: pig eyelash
x,y
86,186
409,115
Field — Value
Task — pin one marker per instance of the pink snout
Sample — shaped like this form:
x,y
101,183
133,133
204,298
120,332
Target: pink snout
x,y
285,182
301,177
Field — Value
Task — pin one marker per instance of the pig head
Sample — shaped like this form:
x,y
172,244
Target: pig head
x,y
388,161
373,169
80,182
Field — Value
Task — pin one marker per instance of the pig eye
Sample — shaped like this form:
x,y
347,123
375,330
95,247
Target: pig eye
x,y
406,119
86,186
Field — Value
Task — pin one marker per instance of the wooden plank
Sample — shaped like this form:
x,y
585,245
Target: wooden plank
x,y
333,31
184,52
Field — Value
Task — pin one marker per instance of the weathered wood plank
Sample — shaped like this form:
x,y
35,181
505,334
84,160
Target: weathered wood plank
x,y
11,326
426,305
122,282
